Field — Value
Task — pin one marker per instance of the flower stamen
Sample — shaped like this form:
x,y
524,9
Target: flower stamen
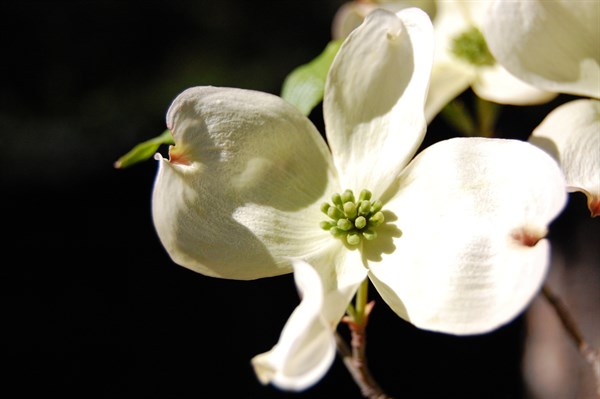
x,y
471,46
352,219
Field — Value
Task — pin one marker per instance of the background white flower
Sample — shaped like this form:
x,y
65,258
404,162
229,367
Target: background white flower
x,y
352,13
462,60
551,44
555,45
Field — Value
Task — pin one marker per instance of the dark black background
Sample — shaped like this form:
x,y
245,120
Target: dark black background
x,y
92,307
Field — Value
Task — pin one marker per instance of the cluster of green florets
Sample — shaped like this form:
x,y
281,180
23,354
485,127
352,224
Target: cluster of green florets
x,y
471,47
351,219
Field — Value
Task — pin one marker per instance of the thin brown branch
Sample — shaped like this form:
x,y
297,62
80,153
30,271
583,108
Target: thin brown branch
x,y
355,358
589,353
360,372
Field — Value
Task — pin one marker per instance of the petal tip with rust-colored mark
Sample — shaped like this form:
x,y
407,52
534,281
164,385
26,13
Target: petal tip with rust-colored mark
x,y
178,157
526,236
594,206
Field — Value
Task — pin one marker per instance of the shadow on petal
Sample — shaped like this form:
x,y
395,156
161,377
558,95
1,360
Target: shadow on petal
x,y
390,297
394,55
384,243
193,229
251,157
546,144
248,174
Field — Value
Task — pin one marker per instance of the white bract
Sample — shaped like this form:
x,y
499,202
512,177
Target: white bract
x,y
555,45
551,44
452,239
571,134
462,60
352,13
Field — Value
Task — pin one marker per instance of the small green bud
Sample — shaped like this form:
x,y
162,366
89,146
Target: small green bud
x,y
335,213
353,239
325,207
376,207
369,234
360,222
364,208
344,224
348,196
365,195
376,219
337,200
337,232
325,225
350,210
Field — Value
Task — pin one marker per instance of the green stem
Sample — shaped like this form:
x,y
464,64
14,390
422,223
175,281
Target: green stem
x,y
487,116
361,302
479,123
458,116
351,312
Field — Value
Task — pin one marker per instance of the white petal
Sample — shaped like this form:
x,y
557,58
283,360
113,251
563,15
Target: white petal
x,y
351,14
348,17
475,11
497,85
448,81
553,45
341,271
450,76
374,98
469,211
306,347
453,19
243,185
571,134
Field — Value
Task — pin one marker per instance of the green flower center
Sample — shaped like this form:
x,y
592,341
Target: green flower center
x,y
351,219
470,46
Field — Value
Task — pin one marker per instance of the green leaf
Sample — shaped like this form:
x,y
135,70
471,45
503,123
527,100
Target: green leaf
x,y
305,85
144,150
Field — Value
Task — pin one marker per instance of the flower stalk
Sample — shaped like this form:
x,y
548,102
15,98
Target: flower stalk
x,y
354,357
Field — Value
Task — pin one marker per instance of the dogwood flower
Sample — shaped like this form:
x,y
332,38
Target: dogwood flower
x,y
453,239
555,45
463,60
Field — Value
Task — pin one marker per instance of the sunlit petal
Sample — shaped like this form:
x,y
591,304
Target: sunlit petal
x,y
306,347
351,14
571,134
471,215
452,19
497,85
243,185
373,109
553,45
448,81
450,76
